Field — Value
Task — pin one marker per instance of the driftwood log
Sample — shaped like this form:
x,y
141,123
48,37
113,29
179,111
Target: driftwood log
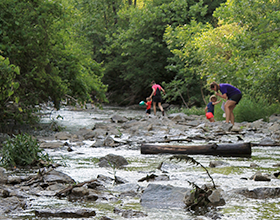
x,y
227,150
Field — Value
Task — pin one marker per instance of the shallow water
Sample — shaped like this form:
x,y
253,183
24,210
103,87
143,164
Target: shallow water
x,y
81,165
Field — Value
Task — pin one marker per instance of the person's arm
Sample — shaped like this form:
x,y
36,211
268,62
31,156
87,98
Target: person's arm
x,y
215,103
224,96
163,90
152,93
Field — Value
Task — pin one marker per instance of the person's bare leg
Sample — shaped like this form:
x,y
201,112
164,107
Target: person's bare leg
x,y
212,119
229,106
161,108
155,108
231,118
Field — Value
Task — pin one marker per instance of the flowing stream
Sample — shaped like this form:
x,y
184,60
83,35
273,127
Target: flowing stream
x,y
81,165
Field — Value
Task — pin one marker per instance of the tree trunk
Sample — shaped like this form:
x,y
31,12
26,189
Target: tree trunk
x,y
202,94
229,150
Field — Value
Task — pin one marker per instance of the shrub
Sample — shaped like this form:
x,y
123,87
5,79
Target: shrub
x,y
250,109
22,150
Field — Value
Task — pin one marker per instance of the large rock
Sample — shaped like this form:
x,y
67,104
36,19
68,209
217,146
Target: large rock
x,y
11,204
51,145
3,176
260,193
58,177
178,117
257,124
161,196
275,127
216,198
118,119
66,213
112,160
63,135
274,118
129,213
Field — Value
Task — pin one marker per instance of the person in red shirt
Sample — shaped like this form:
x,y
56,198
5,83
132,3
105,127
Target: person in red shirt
x,y
148,105
156,96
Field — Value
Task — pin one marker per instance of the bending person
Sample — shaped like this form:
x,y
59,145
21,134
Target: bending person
x,y
233,96
156,96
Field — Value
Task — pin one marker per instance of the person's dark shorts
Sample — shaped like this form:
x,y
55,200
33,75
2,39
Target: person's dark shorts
x,y
157,99
148,111
236,98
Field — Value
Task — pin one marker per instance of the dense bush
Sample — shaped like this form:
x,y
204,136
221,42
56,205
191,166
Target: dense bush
x,y
248,110
22,150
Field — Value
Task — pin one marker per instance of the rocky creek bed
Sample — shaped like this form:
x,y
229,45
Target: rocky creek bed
x,y
100,173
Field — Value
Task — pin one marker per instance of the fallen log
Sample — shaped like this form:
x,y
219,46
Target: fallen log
x,y
228,150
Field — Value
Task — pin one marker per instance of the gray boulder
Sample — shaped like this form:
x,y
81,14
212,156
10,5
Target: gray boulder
x,y
3,176
65,213
161,196
260,193
112,160
58,177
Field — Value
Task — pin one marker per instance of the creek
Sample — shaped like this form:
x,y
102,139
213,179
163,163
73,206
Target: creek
x,y
81,165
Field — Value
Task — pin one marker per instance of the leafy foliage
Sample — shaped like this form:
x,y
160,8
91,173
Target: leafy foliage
x,y
39,38
137,53
94,50
8,86
22,150
186,63
240,49
250,109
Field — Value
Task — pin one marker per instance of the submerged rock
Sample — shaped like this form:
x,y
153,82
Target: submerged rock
x,y
218,163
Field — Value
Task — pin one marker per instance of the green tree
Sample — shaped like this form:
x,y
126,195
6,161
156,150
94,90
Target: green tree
x,y
8,86
137,54
188,81
40,37
259,45
241,49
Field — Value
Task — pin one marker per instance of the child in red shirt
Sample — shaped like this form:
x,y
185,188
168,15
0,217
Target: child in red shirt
x,y
148,105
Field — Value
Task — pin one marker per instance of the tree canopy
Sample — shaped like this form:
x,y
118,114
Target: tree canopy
x,y
112,50
39,42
